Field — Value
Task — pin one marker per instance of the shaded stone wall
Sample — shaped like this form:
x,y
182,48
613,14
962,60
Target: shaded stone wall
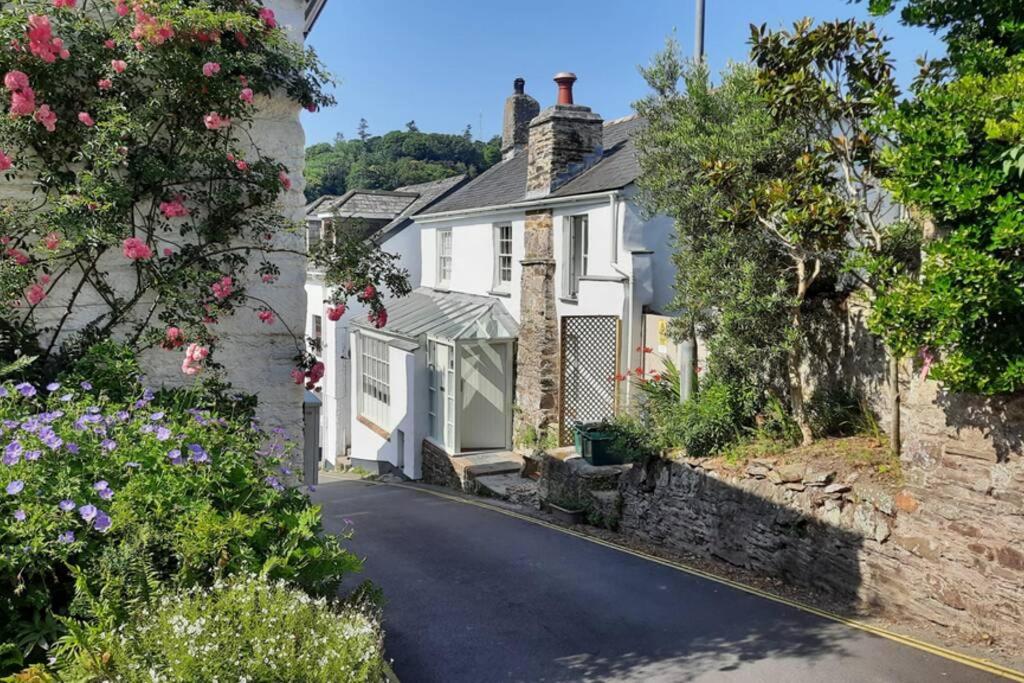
x,y
562,138
537,353
520,109
947,549
437,467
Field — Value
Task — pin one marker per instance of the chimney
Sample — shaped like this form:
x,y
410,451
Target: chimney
x,y
563,141
520,108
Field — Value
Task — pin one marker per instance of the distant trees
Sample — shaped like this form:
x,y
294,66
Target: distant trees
x,y
393,160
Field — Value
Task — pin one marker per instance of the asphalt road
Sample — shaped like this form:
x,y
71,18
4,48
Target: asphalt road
x,y
478,596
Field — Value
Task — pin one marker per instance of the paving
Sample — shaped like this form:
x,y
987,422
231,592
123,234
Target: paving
x,y
475,595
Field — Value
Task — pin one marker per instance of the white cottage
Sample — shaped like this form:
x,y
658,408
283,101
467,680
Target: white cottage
x,y
535,278
385,218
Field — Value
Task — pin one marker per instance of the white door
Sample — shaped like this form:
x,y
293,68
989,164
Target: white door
x,y
482,373
441,389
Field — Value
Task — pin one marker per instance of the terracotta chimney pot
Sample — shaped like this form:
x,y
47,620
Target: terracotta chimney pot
x,y
565,80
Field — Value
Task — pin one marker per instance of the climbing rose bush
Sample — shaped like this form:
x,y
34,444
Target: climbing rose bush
x,y
138,200
107,494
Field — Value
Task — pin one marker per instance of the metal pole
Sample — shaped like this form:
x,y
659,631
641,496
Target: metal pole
x,y
688,347
698,42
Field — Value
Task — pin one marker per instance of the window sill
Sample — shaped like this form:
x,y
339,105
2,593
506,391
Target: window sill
x,y
569,299
500,292
374,427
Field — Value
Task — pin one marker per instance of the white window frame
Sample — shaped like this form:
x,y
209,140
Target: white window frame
x,y
502,257
374,379
441,394
314,233
444,256
575,248
316,325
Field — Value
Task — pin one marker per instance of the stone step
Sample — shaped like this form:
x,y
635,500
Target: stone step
x,y
510,487
475,465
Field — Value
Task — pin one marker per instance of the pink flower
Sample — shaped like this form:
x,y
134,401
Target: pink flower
x,y
19,256
84,117
167,251
286,182
174,208
5,161
267,277
242,165
316,372
211,69
47,117
194,355
266,317
215,121
369,292
51,240
70,4
267,15
109,43
334,313
246,95
928,359
118,65
149,29
35,294
173,338
104,84
23,102
41,41
223,288
135,249
298,376
379,318
15,81
122,8
244,80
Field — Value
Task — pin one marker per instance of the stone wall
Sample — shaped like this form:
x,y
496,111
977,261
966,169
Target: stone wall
x,y
562,139
947,549
537,351
438,468
576,484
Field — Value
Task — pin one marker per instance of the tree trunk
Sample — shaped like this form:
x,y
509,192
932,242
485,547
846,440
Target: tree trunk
x,y
796,384
895,438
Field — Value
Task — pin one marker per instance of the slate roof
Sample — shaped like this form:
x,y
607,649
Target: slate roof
x,y
505,182
368,204
429,193
448,315
314,206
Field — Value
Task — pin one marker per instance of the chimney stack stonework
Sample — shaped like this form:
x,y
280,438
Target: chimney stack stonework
x,y
520,109
562,139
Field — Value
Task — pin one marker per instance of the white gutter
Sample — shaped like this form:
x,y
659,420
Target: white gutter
x,y
526,204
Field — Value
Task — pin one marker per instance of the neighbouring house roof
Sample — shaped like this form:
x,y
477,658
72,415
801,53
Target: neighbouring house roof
x,y
429,194
454,316
313,207
370,204
505,182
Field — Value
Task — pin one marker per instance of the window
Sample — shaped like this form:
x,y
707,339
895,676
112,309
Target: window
x,y
444,256
574,247
316,334
441,394
502,257
374,380
312,234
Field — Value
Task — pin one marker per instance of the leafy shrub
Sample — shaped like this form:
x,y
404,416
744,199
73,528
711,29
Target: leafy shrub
x,y
835,411
706,423
245,628
632,438
104,502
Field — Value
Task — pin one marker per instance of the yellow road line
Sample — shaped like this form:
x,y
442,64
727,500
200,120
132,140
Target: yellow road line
x,y
967,660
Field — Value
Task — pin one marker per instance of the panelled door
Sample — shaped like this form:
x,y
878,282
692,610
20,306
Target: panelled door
x,y
590,351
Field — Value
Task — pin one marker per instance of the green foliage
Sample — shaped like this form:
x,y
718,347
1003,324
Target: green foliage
x,y
836,411
245,628
394,160
632,438
158,498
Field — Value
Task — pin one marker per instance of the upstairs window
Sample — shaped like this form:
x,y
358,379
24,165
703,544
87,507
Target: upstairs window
x,y
574,254
444,256
503,257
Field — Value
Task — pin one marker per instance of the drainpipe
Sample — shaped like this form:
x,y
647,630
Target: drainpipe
x,y
613,206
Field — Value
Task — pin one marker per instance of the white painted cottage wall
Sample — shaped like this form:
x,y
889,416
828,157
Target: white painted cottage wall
x,y
257,357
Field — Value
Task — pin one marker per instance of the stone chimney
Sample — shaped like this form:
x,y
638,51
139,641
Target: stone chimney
x,y
563,141
520,109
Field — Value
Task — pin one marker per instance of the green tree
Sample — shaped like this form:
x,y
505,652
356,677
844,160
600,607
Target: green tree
x,y
957,162
363,131
836,79
705,154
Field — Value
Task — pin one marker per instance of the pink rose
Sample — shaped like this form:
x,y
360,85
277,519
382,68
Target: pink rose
x,y
70,4
122,8
174,208
211,69
105,83
84,117
118,65
135,249
5,161
109,43
246,95
267,15
316,372
242,165
41,42
15,81
369,292
266,317
47,117
379,319
35,294
223,288
173,338
298,376
19,257
167,251
23,102
334,313
51,240
214,121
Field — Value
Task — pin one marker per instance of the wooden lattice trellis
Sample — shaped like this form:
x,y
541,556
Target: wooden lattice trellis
x,y
590,351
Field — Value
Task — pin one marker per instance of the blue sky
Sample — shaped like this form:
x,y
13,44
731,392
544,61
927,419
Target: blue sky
x,y
448,63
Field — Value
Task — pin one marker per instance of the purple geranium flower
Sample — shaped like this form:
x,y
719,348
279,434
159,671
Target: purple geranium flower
x,y
147,428
88,512
100,485
26,389
122,415
199,454
66,505
106,494
66,537
15,487
108,445
156,416
163,433
4,393
53,386
273,483
66,397
12,453
285,470
148,395
19,515
175,455
87,385
102,522
50,438
72,448
33,455
133,464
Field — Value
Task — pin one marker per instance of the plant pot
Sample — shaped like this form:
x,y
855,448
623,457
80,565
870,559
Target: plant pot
x,y
566,515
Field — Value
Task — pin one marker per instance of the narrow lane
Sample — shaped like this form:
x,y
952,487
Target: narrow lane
x,y
475,595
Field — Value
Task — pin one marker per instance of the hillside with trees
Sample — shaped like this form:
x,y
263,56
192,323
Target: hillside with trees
x,y
395,159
